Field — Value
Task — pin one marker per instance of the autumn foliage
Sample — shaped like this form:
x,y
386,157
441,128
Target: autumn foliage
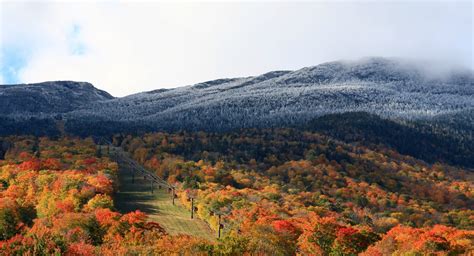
x,y
289,192
277,192
61,203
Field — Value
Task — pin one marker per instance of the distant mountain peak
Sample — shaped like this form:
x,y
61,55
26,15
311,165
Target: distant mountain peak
x,y
49,97
390,88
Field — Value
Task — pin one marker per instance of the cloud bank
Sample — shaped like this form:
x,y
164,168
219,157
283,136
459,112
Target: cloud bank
x,y
126,47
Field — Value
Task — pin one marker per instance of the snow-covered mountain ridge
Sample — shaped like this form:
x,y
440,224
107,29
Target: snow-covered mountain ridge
x,y
48,97
389,88
380,86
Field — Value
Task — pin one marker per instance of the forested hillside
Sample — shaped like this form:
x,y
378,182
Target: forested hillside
x,y
284,191
56,199
280,191
428,141
392,102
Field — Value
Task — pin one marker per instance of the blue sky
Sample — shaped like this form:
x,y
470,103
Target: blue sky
x,y
15,57
126,47
13,60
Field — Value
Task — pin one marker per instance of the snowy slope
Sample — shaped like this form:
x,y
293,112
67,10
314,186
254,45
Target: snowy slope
x,y
389,88
48,97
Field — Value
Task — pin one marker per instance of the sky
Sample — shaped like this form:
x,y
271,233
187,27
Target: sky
x,y
126,47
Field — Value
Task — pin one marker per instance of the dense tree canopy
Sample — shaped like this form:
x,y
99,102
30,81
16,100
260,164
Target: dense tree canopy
x,y
290,192
280,192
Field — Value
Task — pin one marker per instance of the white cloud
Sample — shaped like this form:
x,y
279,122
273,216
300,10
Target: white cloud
x,y
132,47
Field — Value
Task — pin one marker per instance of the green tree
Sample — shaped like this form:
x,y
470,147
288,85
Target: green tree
x,y
8,223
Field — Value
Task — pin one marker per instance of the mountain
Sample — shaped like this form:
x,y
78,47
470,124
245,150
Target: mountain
x,y
48,98
394,98
389,88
